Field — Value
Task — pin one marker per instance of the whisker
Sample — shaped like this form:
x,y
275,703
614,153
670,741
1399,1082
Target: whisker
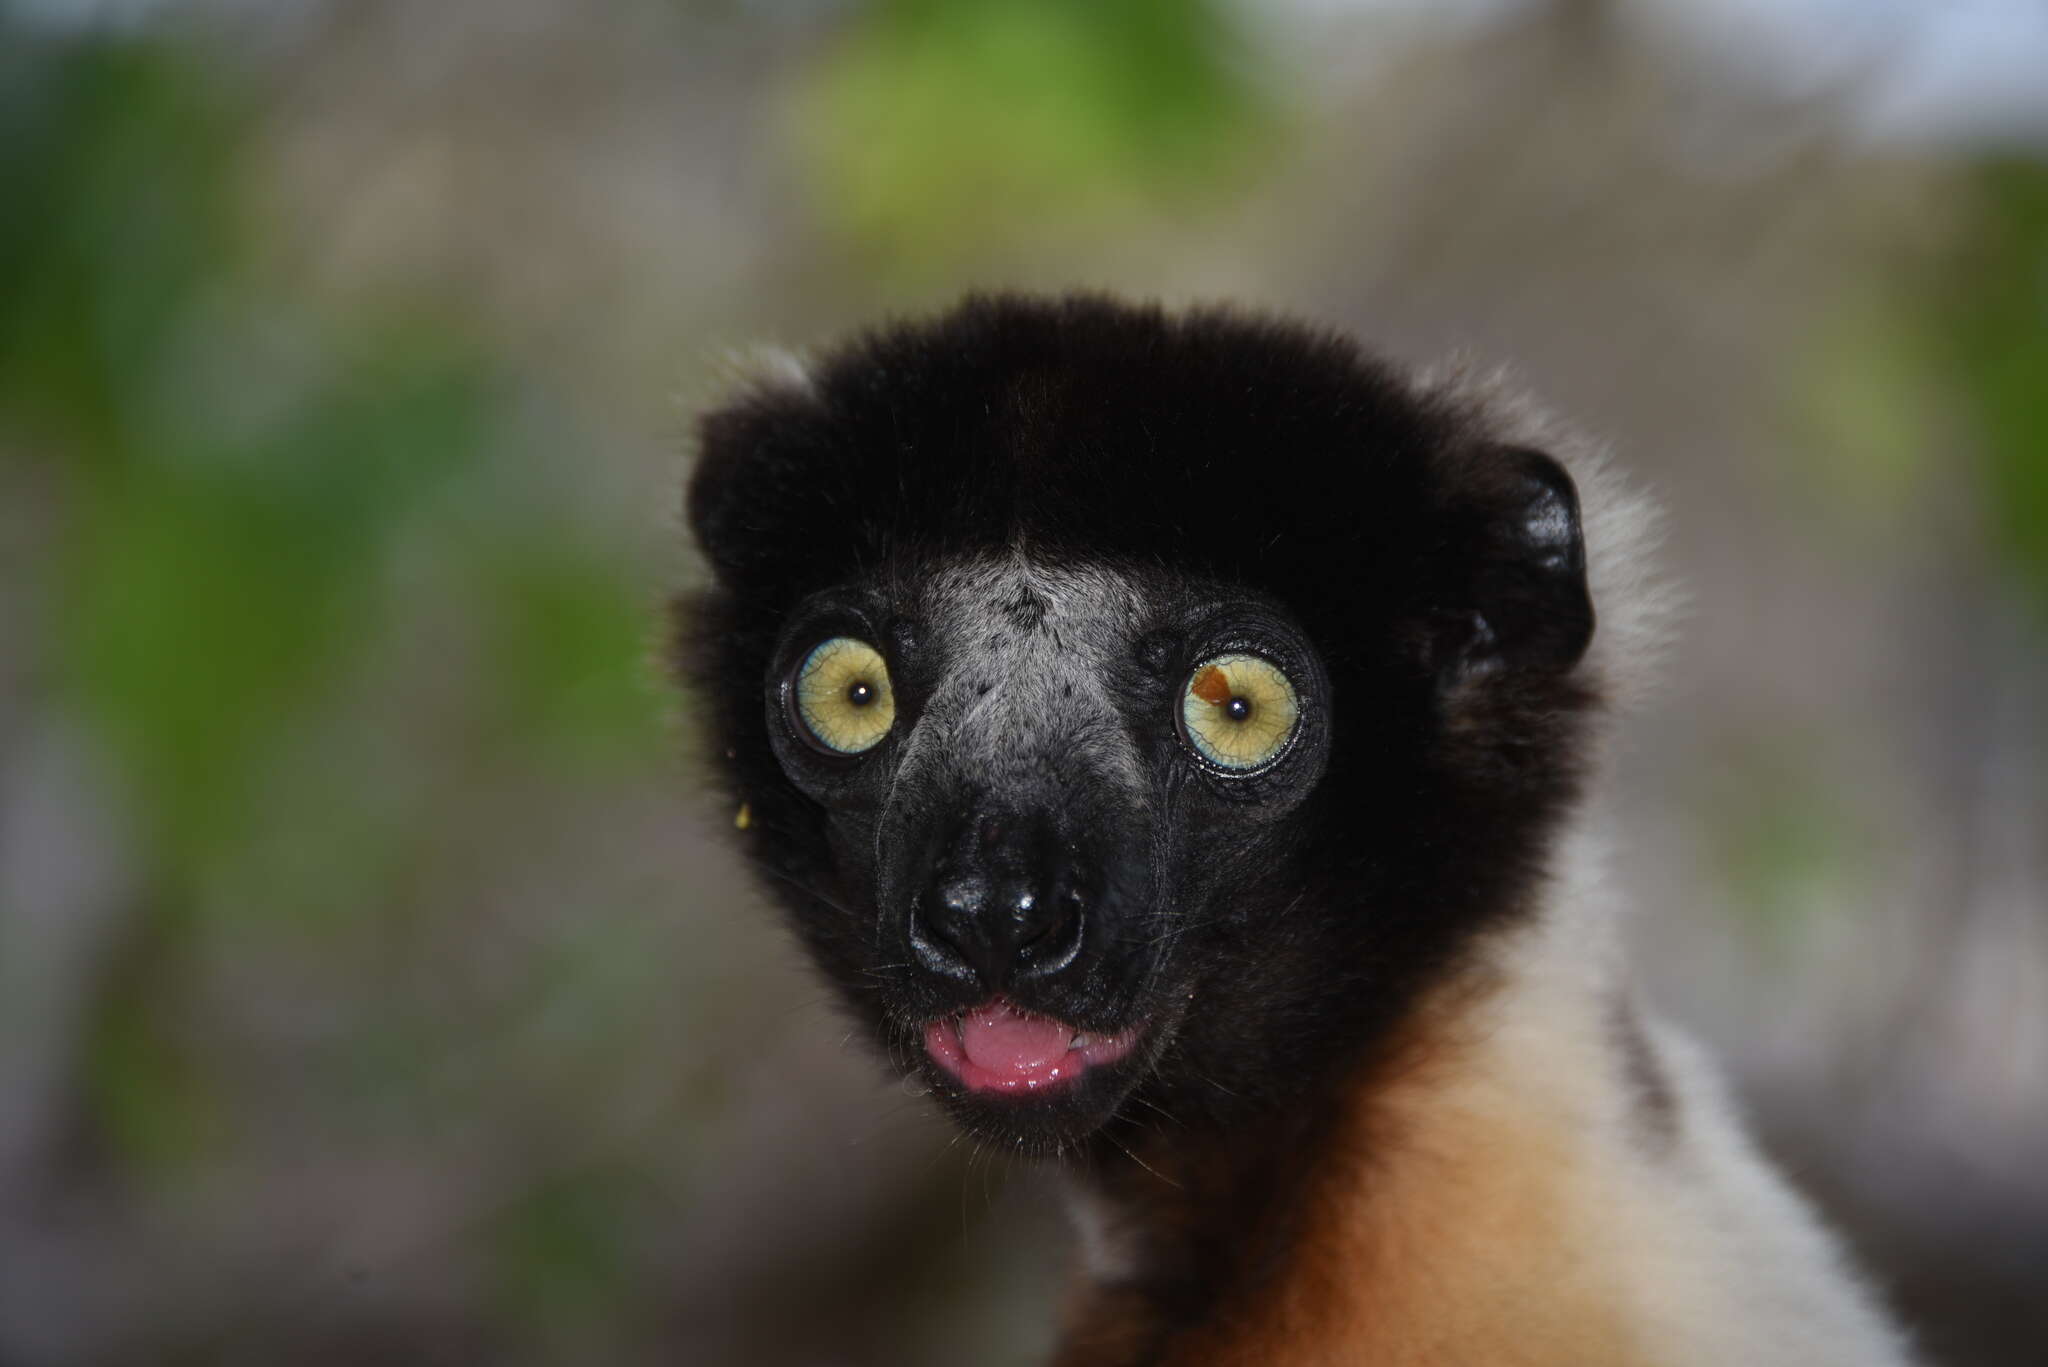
x,y
1141,1162
1159,1110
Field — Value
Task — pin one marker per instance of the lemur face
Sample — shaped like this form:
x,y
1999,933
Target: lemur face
x,y
1045,785
1070,660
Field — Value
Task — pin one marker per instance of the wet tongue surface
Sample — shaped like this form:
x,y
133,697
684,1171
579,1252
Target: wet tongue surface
x,y
1002,1039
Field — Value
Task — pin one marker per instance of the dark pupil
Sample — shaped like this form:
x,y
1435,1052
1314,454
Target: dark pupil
x,y
860,692
1237,709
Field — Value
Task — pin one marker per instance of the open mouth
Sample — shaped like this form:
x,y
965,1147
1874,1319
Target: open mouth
x,y
995,1047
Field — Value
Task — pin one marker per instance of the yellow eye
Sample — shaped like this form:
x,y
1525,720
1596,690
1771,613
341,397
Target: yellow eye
x,y
843,695
1239,710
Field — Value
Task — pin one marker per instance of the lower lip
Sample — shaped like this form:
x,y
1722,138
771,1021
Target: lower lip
x,y
942,1042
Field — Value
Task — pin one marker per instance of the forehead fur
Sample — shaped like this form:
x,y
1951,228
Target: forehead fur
x,y
1017,592
1220,445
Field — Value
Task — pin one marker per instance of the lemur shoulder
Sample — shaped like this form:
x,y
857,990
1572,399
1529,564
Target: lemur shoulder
x,y
1166,733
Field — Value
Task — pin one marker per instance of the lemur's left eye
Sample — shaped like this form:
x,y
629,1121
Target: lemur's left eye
x,y
1239,711
843,697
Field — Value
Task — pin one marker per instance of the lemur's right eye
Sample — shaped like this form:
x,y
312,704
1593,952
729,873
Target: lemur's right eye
x,y
842,695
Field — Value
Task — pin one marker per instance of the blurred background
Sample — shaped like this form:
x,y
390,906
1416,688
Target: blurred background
x,y
374,985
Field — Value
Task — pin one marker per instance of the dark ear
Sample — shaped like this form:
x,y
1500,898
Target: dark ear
x,y
715,498
1522,603
755,463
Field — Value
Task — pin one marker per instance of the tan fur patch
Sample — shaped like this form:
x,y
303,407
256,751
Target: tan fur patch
x,y
1458,1223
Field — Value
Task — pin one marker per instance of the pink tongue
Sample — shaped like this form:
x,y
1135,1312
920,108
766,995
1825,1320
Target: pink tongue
x,y
1002,1039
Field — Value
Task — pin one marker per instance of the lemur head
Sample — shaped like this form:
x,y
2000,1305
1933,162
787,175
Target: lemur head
x,y
1133,712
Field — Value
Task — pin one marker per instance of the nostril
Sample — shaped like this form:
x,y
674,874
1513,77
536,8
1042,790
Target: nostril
x,y
931,944
1055,939
1039,926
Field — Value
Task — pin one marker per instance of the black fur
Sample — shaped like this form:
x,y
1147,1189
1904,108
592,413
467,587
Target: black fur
x,y
1250,483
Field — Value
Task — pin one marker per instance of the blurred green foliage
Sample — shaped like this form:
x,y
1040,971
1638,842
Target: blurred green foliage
x,y
935,126
1953,351
562,1253
1872,402
1991,312
1790,847
236,472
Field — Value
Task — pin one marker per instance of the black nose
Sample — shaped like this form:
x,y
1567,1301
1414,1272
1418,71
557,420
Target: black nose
x,y
1006,902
